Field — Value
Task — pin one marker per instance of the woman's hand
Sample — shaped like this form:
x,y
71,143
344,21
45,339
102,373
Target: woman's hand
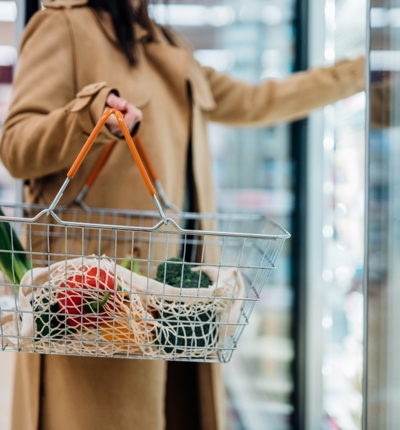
x,y
132,115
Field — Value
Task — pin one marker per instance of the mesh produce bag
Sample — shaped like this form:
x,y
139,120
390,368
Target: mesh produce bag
x,y
91,306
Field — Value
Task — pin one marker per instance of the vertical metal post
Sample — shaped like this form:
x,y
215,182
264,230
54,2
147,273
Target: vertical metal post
x,y
307,150
299,130
313,335
25,8
20,21
366,224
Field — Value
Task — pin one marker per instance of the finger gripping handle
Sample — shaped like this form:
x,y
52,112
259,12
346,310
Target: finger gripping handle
x,y
125,131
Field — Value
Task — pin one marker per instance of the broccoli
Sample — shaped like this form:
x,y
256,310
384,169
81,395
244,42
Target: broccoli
x,y
179,275
188,332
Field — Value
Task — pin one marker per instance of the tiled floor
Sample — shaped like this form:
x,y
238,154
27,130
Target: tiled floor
x,y
6,378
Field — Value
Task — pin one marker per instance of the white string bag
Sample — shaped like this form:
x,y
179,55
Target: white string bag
x,y
140,317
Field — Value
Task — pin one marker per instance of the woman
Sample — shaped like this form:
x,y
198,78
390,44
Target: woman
x,y
77,57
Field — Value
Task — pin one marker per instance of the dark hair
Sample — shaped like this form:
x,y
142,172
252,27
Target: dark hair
x,y
124,15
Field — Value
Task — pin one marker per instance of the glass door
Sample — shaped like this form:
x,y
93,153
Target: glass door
x,y
335,233
343,228
382,349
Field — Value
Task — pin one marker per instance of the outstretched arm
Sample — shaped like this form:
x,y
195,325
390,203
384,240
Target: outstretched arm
x,y
241,103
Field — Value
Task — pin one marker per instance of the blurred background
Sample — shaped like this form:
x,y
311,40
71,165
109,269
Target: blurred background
x,y
299,363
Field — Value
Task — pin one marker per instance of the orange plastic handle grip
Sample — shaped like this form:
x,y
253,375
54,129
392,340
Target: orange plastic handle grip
x,y
89,142
145,159
100,163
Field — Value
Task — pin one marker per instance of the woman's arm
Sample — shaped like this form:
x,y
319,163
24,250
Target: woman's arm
x,y
49,117
240,103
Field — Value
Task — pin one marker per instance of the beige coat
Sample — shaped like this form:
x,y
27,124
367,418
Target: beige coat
x,y
69,62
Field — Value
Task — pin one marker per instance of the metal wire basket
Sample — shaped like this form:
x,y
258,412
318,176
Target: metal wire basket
x,y
131,284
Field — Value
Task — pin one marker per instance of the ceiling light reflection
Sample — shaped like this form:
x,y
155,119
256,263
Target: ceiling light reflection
x,y
8,55
8,11
192,15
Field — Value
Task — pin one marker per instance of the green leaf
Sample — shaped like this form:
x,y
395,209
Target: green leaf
x,y
13,264
16,244
6,256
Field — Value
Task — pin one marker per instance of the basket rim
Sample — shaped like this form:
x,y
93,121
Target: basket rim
x,y
171,219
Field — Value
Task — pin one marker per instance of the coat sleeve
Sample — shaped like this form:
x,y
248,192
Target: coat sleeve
x,y
49,117
240,103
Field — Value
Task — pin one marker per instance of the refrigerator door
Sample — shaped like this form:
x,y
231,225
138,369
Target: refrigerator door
x,y
382,349
335,230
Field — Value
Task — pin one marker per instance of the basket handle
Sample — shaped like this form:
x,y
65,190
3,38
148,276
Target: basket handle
x,y
94,173
149,167
88,144
100,163
153,176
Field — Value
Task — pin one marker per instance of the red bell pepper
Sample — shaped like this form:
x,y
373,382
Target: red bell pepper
x,y
74,300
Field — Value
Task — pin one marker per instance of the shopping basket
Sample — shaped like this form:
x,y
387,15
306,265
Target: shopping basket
x,y
163,284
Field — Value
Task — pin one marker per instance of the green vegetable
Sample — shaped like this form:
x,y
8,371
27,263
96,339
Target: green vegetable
x,y
50,323
187,332
131,264
177,274
13,261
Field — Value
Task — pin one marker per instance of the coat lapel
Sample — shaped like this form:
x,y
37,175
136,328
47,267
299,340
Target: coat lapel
x,y
172,62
